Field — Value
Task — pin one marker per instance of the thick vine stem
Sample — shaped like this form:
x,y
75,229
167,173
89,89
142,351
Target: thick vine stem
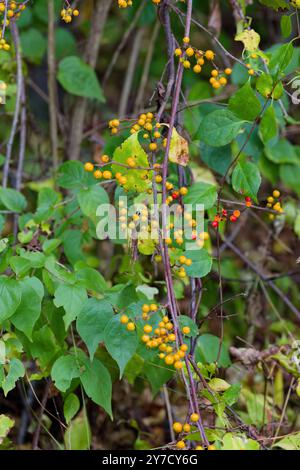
x,y
190,384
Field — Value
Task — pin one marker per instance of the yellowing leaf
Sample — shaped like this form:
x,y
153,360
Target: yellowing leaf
x,y
137,180
249,38
179,149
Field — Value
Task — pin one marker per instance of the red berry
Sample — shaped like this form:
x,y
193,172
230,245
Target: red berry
x,y
175,195
215,224
233,218
248,199
224,212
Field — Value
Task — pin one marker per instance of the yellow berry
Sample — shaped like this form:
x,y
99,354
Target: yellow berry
x,y
89,167
180,445
186,40
169,360
98,174
186,330
124,319
183,191
145,308
276,193
147,328
228,71
178,365
189,52
194,417
197,68
177,427
209,55
105,158
186,427
211,447
107,175
153,307
130,326
152,146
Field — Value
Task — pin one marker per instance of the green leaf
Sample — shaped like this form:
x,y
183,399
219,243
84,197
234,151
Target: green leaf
x,y
71,407
218,385
286,26
281,59
137,180
202,193
231,395
91,279
65,43
268,125
207,349
44,346
12,199
64,370
281,152
34,45
29,309
275,4
265,86
157,374
120,343
184,320
219,128
90,199
245,104
71,175
79,79
5,426
71,298
246,179
10,297
50,245
91,322
97,384
291,442
201,263
216,158
19,265
15,372
290,176
78,435
238,442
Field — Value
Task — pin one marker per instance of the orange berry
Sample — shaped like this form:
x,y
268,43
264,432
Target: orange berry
x,y
89,167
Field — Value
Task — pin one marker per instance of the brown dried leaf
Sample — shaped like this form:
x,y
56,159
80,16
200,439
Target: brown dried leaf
x,y
179,149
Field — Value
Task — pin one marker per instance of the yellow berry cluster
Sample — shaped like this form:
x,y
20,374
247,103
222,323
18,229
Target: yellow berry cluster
x,y
185,428
146,123
273,202
103,170
13,11
252,64
4,45
162,338
138,220
188,53
68,13
129,3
